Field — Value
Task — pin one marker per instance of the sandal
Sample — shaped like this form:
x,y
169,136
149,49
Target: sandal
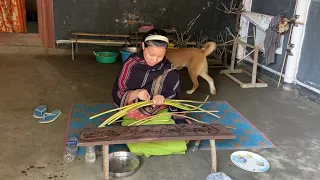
x,y
40,111
50,117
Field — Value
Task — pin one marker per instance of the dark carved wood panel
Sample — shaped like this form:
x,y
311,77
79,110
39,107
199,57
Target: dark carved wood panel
x,y
131,134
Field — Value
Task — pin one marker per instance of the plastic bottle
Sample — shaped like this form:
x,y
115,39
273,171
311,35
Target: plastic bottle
x,y
90,156
71,150
196,146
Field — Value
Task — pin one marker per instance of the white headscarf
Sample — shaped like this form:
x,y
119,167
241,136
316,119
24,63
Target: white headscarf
x,y
157,37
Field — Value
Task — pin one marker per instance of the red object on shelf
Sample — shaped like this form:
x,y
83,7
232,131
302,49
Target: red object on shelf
x,y
146,27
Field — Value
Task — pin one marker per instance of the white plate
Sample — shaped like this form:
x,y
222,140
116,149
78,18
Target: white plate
x,y
250,161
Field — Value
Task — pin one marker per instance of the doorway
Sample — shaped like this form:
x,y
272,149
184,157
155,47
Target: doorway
x,y
27,22
32,16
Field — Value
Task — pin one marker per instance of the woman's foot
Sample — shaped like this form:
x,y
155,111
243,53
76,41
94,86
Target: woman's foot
x,y
181,120
188,121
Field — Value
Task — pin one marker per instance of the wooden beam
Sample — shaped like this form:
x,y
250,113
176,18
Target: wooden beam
x,y
244,27
256,85
169,31
234,52
235,71
234,79
98,41
245,44
246,56
152,133
249,74
100,35
218,66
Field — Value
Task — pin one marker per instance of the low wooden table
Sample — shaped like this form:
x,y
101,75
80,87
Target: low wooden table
x,y
151,133
76,40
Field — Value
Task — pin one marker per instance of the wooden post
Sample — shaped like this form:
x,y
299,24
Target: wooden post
x,y
285,55
77,43
255,65
237,24
234,52
126,42
226,52
106,161
72,50
213,156
136,39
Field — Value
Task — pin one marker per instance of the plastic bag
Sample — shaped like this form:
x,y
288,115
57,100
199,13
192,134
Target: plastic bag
x,y
218,176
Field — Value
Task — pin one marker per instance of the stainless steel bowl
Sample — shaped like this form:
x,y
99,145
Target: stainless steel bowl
x,y
130,49
123,163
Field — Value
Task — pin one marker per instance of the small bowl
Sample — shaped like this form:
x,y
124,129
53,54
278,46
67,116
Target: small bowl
x,y
123,163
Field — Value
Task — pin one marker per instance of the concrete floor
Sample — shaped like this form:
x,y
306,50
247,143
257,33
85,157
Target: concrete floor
x,y
30,150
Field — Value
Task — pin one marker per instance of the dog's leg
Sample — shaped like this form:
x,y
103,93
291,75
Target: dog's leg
x,y
210,81
194,78
204,75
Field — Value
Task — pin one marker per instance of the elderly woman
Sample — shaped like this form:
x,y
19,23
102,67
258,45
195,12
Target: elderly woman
x,y
148,75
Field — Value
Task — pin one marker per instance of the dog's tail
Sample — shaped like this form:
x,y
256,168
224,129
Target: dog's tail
x,y
208,48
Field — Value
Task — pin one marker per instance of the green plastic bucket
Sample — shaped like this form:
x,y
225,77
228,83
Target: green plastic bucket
x,y
106,57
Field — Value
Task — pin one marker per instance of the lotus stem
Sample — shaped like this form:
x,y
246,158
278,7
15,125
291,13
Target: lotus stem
x,y
122,113
190,118
131,105
181,104
150,117
116,109
182,112
203,110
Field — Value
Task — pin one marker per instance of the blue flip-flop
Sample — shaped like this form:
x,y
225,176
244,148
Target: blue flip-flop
x,y
40,111
50,117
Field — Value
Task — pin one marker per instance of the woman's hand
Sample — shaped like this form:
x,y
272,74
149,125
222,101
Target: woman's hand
x,y
158,100
143,95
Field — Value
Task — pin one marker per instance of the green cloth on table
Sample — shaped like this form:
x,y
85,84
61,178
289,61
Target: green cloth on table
x,y
160,147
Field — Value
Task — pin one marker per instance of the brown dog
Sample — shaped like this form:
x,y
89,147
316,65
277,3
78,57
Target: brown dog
x,y
196,61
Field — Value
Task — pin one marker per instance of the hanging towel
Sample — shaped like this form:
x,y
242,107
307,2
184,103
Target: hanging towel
x,y
272,40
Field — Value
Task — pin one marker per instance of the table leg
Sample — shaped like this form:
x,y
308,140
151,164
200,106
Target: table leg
x,y
213,156
106,161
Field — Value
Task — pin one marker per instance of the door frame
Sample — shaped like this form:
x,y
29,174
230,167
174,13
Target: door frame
x,y
46,22
44,38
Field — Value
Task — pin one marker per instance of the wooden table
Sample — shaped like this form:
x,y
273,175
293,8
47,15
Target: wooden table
x,y
151,133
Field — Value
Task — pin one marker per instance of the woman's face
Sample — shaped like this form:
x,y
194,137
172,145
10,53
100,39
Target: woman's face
x,y
153,54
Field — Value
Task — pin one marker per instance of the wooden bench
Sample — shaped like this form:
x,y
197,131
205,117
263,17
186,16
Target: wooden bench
x,y
151,133
135,39
76,40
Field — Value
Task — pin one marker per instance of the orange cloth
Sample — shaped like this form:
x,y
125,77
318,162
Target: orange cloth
x,y
13,16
